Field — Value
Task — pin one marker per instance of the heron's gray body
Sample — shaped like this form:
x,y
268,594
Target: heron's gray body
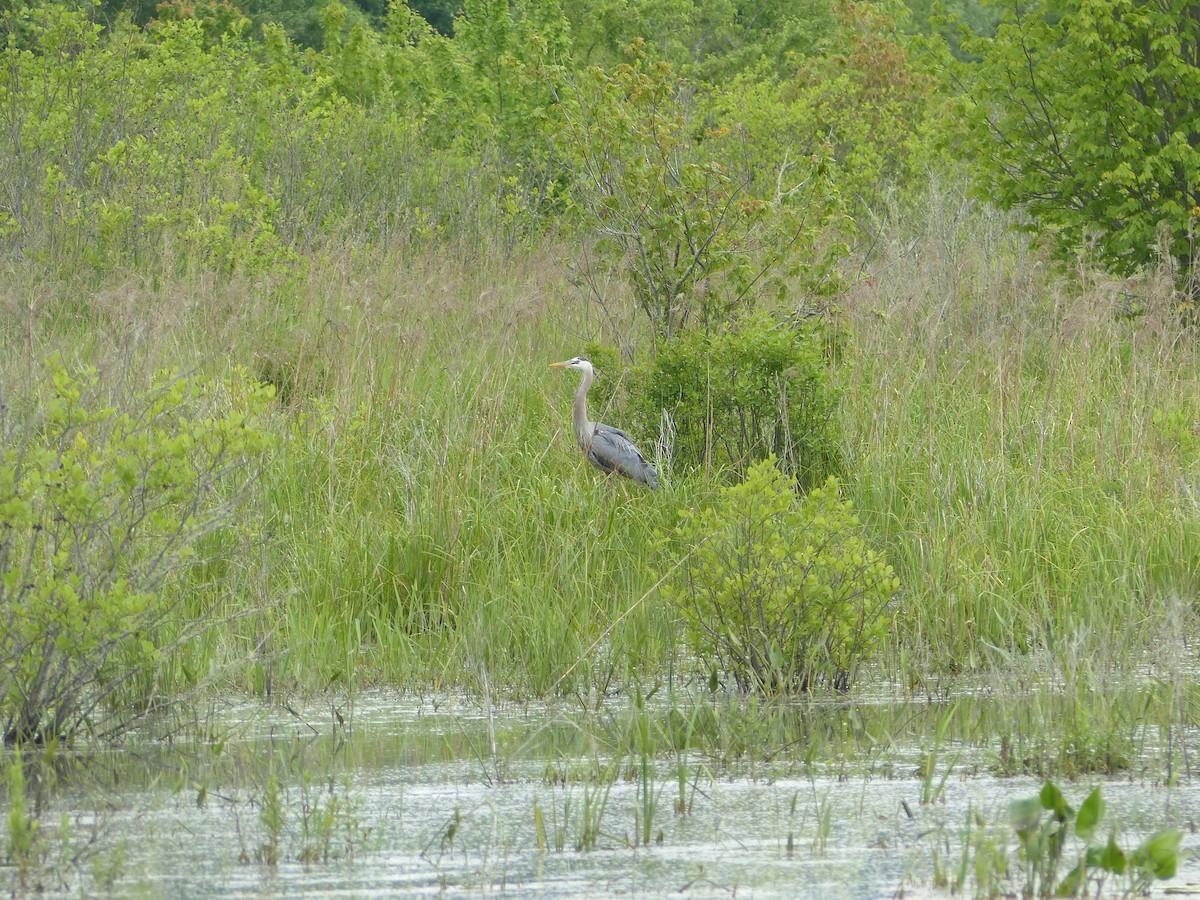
x,y
607,448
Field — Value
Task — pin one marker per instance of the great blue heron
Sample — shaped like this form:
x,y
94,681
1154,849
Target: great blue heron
x,y
608,449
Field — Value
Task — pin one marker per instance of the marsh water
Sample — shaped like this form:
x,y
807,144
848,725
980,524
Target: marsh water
x,y
447,797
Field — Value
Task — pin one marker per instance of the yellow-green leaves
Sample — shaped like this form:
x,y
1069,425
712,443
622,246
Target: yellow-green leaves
x,y
697,237
781,592
102,502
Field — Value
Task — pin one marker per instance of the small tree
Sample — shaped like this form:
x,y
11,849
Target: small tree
x,y
103,505
780,592
1085,112
697,239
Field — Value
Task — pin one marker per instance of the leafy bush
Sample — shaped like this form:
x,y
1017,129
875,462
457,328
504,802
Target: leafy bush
x,y
383,135
861,103
735,396
1084,113
706,41
102,504
777,591
142,164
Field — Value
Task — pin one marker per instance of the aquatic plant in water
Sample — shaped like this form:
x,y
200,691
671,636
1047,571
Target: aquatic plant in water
x,y
1043,825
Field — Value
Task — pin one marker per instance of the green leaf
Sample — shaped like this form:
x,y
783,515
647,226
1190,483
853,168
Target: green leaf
x,y
1052,799
1070,885
1112,858
1089,816
1159,853
1023,814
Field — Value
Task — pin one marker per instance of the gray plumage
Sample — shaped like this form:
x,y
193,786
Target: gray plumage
x,y
607,448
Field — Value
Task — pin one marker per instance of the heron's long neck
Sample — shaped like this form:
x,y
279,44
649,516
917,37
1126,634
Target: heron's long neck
x,y
583,428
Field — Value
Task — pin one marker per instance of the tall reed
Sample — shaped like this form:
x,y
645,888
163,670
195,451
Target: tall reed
x,y
1025,444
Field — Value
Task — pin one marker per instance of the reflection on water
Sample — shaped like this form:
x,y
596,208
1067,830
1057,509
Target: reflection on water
x,y
408,797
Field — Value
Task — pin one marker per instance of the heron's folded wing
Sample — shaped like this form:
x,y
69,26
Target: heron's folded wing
x,y
613,451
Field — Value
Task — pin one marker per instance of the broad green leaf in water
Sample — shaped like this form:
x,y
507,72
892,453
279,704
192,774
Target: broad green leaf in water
x,y
1159,854
1070,885
1090,814
1112,858
1052,799
1024,813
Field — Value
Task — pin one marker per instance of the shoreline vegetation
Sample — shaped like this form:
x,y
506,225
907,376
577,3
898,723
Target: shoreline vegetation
x,y
1029,471
275,418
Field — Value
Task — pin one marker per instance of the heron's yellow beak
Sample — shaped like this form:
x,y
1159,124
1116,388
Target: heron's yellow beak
x,y
557,365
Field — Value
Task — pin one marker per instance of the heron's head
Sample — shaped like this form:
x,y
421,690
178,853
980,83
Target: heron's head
x,y
579,362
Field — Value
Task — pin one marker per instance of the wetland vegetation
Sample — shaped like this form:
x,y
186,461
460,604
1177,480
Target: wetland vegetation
x,y
304,585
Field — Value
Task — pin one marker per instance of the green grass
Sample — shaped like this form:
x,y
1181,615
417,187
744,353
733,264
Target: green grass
x,y
443,528
1027,460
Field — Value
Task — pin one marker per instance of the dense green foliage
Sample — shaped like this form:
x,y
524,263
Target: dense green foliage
x,y
677,212
779,591
730,398
144,167
395,224
112,158
101,507
1085,113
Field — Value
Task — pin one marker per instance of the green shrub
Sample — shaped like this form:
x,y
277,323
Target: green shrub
x,y
733,397
142,163
102,505
121,149
861,104
781,592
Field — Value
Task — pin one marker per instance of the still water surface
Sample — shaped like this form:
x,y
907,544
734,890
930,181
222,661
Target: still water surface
x,y
407,798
